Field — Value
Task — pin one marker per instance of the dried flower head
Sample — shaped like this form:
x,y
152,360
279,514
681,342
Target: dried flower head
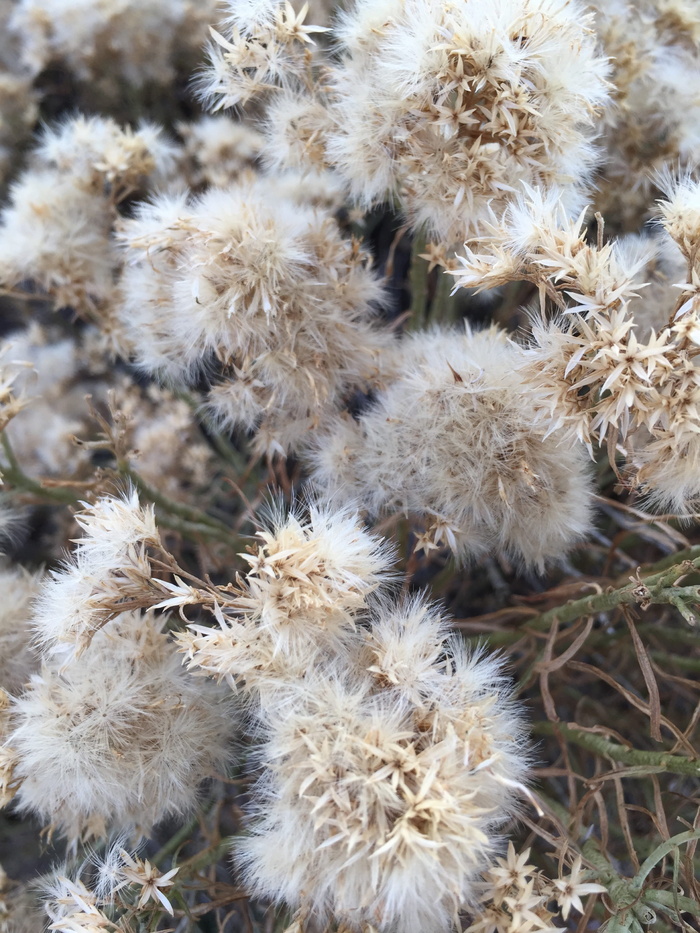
x,y
258,290
455,439
515,897
375,810
120,738
449,106
73,908
99,153
262,47
309,580
55,230
108,572
55,233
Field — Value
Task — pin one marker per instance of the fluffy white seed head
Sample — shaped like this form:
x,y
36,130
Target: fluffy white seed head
x,y
108,568
320,567
455,439
373,811
135,41
55,233
450,106
119,739
98,152
295,131
262,47
55,230
309,580
680,210
668,468
70,905
404,646
258,290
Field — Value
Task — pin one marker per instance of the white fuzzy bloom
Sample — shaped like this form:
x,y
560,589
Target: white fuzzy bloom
x,y
119,739
456,439
55,233
680,210
320,568
261,290
404,646
669,466
374,810
107,572
653,116
537,239
136,41
448,107
262,47
295,132
218,149
73,908
97,152
309,580
56,229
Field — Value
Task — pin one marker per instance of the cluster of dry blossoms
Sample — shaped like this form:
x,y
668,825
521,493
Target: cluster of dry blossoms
x,y
388,755
189,288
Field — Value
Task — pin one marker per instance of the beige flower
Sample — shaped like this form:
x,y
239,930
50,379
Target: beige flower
x,y
571,890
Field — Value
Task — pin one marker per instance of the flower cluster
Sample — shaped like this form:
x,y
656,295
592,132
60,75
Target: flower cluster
x,y
455,440
309,580
264,49
108,573
119,739
444,107
263,292
595,376
124,883
387,750
451,106
516,897
132,41
55,231
389,756
377,810
201,311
